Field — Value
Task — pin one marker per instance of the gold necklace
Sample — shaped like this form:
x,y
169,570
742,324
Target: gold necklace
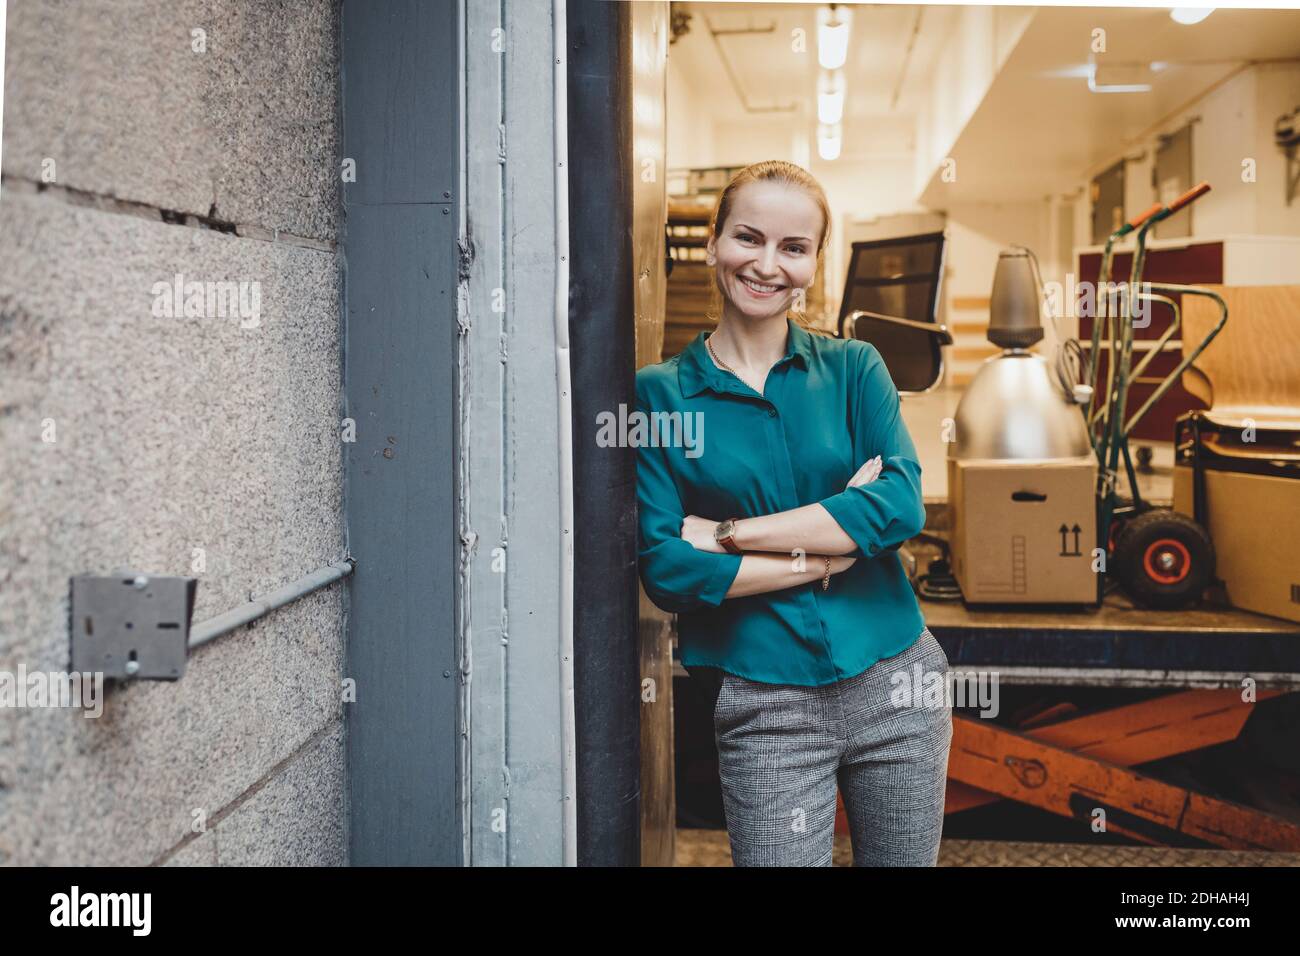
x,y
728,367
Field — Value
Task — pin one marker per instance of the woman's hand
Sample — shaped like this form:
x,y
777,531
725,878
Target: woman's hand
x,y
867,473
698,532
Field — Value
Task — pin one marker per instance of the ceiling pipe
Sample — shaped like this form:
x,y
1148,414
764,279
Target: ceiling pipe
x,y
907,59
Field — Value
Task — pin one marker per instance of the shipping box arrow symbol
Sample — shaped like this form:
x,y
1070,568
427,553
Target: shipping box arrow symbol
x,y
1064,531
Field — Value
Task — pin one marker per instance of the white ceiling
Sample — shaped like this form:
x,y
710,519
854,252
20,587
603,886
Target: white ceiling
x,y
1037,132
886,83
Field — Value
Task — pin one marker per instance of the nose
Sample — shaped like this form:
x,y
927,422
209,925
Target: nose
x,y
766,265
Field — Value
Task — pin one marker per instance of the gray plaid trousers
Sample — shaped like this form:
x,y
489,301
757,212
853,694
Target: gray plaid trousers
x,y
783,748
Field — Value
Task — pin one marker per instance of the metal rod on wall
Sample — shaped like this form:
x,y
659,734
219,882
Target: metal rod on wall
x,y
215,627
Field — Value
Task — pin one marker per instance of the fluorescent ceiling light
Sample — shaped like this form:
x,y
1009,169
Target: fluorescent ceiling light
x,y
833,36
1120,78
1081,72
1189,15
828,142
830,98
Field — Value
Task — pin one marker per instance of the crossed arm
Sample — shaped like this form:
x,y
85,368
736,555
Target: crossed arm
x,y
771,541
684,569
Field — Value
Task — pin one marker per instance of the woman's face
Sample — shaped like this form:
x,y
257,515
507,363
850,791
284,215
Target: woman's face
x,y
767,249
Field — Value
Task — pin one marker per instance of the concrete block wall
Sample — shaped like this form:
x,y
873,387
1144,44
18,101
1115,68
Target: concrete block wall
x,y
213,439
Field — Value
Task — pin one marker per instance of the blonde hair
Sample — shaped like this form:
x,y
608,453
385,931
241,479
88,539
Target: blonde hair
x,y
771,171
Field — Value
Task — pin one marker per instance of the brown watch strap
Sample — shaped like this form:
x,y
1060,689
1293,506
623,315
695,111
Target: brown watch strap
x,y
729,542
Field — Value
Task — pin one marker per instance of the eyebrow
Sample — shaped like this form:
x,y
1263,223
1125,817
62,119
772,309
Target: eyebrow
x,y
741,225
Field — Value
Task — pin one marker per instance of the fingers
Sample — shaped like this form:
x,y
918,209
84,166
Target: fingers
x,y
867,473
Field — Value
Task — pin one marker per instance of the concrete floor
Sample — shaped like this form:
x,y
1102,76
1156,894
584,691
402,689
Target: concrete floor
x,y
710,848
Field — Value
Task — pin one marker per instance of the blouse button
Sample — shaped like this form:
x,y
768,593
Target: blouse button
x,y
771,413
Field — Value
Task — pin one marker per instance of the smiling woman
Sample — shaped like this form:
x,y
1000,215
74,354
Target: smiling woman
x,y
777,198
809,473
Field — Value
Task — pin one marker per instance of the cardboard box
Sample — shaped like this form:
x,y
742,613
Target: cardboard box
x,y
1254,522
1023,532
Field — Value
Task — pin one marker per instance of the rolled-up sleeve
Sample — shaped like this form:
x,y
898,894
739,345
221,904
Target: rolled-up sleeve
x,y
676,575
883,513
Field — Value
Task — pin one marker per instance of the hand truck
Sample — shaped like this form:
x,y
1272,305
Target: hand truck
x,y
1161,558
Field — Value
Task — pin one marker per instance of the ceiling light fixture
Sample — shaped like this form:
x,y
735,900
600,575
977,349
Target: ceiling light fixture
x,y
1189,15
830,98
1119,78
828,141
833,26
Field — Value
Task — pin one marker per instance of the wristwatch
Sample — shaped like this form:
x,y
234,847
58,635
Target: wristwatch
x,y
725,535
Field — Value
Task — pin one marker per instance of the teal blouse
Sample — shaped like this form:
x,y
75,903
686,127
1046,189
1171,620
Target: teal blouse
x,y
829,406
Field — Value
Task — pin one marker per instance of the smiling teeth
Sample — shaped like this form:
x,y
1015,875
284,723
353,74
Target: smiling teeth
x,y
759,287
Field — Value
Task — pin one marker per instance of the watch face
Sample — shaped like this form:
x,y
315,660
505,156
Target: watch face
x,y
723,530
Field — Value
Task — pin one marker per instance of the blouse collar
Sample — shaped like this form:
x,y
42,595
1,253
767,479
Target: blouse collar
x,y
697,371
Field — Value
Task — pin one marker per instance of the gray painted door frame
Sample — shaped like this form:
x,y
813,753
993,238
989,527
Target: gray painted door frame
x,y
461,741
401,203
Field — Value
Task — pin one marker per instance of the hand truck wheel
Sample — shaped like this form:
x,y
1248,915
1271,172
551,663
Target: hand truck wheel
x,y
1163,559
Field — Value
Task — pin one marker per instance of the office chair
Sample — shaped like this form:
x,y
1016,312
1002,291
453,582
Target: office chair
x,y
891,296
